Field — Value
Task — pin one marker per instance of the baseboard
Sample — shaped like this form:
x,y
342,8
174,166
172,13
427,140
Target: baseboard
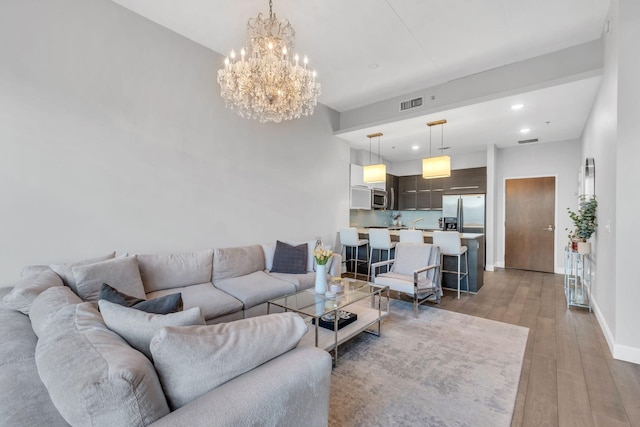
x,y
488,267
618,351
498,264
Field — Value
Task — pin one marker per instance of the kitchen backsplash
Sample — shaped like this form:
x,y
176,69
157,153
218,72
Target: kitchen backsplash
x,y
368,218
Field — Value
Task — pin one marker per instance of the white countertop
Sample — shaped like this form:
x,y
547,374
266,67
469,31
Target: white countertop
x,y
424,233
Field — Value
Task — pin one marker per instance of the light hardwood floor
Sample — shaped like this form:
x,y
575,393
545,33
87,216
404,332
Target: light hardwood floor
x,y
568,377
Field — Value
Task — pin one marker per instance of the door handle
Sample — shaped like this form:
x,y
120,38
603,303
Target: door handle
x,y
548,228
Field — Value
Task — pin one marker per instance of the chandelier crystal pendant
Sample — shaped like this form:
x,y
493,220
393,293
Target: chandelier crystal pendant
x,y
268,82
436,167
375,173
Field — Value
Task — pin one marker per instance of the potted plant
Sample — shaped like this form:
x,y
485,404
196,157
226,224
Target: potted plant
x,y
585,223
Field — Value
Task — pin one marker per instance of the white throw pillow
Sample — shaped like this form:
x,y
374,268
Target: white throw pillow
x,y
194,360
138,327
119,273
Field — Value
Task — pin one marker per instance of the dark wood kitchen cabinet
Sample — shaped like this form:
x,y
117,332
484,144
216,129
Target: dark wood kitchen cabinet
x,y
408,187
466,181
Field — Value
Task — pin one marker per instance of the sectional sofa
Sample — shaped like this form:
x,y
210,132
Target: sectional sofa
x,y
61,363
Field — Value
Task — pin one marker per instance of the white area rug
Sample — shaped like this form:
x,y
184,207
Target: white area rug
x,y
441,369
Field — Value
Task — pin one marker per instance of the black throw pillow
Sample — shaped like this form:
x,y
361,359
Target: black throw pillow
x,y
290,259
162,305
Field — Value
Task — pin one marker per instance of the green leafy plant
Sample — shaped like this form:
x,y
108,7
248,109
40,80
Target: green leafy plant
x,y
584,221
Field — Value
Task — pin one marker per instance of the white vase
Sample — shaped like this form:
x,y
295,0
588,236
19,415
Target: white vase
x,y
321,279
584,248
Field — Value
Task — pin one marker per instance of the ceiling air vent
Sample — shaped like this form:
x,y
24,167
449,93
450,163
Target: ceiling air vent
x,y
412,103
527,141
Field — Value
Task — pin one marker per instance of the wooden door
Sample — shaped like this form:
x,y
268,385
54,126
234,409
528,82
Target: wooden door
x,y
530,224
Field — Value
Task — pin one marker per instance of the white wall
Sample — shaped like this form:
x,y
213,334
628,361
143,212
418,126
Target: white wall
x,y
628,153
611,138
559,159
599,141
113,136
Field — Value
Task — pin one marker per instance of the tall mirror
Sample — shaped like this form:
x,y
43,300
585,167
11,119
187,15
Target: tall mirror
x,y
589,189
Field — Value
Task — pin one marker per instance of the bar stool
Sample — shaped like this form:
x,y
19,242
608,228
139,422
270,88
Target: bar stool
x,y
411,236
380,239
450,245
349,239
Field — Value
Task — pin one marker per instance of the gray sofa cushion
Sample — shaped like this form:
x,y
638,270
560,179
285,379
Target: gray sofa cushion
x,y
212,301
120,273
301,281
25,400
25,292
173,270
237,262
304,373
137,327
255,288
66,273
93,376
193,360
46,306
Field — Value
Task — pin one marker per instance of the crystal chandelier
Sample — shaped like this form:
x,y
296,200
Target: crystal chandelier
x,y
268,83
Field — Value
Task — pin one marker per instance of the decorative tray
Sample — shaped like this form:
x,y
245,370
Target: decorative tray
x,y
344,318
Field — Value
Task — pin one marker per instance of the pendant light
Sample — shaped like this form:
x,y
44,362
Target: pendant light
x,y
375,173
440,166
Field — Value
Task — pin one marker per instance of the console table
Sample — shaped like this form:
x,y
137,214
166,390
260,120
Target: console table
x,y
577,278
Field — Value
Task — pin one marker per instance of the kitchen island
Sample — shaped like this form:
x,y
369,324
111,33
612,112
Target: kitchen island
x,y
475,250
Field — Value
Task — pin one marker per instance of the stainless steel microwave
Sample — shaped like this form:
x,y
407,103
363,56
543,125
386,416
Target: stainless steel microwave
x,y
379,199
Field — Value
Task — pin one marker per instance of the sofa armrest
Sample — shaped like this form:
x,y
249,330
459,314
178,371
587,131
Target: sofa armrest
x,y
336,265
290,390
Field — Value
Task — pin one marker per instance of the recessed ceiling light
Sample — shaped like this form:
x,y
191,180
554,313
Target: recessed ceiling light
x,y
525,130
415,147
517,106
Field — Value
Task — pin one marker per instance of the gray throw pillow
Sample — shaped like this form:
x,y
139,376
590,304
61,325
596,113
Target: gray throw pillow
x,y
163,305
138,327
121,273
290,259
27,290
194,360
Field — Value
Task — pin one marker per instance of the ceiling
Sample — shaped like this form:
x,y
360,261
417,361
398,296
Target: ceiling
x,y
370,50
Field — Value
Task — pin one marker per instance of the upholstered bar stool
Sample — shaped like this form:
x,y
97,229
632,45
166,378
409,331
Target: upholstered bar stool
x,y
450,245
349,239
379,239
411,236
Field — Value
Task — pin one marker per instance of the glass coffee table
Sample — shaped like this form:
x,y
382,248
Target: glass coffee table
x,y
335,320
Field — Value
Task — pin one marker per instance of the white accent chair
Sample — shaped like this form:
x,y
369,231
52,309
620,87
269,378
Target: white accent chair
x,y
380,239
349,239
415,271
411,236
451,245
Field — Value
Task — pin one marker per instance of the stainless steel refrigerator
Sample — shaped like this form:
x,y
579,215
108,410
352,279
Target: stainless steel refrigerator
x,y
467,209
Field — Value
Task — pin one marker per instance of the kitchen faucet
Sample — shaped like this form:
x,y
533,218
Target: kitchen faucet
x,y
414,223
